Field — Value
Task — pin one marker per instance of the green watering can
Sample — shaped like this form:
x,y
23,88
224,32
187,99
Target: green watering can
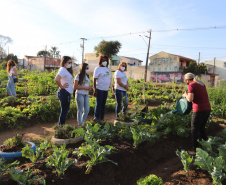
x,y
183,107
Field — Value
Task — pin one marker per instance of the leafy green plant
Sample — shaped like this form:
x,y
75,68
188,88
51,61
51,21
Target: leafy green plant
x,y
24,178
150,180
185,159
38,154
4,166
59,159
214,166
140,134
96,153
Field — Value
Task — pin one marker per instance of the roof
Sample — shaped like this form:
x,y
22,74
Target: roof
x,y
186,58
115,57
131,58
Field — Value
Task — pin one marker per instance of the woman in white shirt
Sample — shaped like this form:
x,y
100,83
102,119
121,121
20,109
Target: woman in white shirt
x,y
101,84
11,69
82,88
64,79
121,86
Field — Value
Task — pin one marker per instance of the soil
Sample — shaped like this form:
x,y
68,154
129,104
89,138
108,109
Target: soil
x,y
158,158
18,148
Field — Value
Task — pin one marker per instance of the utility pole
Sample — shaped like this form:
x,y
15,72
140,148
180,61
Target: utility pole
x,y
82,46
146,66
214,65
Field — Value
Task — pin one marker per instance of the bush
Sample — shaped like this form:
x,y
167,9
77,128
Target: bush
x,y
63,132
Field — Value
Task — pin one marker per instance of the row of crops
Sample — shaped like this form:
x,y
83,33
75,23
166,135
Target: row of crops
x,y
37,99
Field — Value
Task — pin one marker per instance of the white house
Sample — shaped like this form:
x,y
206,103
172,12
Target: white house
x,y
217,67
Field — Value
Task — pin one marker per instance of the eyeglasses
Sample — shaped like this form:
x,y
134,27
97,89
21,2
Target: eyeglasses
x,y
123,66
69,62
87,68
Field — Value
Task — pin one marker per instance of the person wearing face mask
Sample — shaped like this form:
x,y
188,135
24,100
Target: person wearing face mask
x,y
64,79
121,86
82,88
197,94
101,84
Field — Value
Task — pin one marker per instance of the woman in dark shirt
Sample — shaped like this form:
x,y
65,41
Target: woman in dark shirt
x,y
197,94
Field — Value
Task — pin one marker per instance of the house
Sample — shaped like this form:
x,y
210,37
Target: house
x,y
131,61
165,67
216,67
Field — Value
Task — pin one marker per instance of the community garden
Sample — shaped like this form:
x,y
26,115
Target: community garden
x,y
110,153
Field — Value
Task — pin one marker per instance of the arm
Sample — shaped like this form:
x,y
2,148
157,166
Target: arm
x,y
57,80
14,71
78,87
188,96
95,87
118,80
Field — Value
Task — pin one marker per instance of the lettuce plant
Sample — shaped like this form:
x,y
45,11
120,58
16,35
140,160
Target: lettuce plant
x,y
151,179
4,167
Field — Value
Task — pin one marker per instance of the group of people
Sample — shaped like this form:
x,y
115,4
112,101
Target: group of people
x,y
102,81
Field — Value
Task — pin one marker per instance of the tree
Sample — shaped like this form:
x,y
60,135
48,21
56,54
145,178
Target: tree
x,y
107,48
54,52
195,69
42,53
4,40
13,57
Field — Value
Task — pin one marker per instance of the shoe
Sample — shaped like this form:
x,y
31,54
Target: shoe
x,y
96,120
192,153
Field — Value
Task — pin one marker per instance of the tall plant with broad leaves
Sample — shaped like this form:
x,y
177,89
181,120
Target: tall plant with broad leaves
x,y
59,159
34,156
95,152
185,159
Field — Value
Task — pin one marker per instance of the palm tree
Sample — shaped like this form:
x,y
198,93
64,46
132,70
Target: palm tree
x,y
54,52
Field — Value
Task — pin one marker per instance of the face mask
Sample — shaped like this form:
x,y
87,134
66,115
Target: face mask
x,y
68,66
104,63
87,71
123,68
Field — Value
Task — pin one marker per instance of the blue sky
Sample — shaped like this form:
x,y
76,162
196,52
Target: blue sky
x,y
34,24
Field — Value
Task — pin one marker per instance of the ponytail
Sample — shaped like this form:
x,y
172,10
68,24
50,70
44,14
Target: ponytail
x,y
191,76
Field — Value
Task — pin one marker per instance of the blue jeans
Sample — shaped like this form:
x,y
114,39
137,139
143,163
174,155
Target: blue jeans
x,y
11,87
65,99
119,97
82,101
100,104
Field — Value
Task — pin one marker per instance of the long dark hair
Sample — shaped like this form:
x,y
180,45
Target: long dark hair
x,y
100,60
82,73
64,61
10,64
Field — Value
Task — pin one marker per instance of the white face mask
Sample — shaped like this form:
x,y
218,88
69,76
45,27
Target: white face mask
x,y
104,63
123,68
87,71
68,66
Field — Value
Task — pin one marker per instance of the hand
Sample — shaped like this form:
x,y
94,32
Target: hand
x,y
89,88
65,85
185,94
127,87
95,93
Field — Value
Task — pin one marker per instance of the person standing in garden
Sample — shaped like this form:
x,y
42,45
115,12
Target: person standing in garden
x,y
12,71
82,88
64,79
101,84
121,86
197,94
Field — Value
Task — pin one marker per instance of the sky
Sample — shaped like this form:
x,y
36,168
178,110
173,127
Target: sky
x,y
179,27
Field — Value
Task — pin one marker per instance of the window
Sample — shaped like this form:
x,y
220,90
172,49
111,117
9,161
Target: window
x,y
181,63
225,64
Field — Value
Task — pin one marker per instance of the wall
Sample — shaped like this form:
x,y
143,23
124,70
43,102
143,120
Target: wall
x,y
164,62
219,68
130,61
